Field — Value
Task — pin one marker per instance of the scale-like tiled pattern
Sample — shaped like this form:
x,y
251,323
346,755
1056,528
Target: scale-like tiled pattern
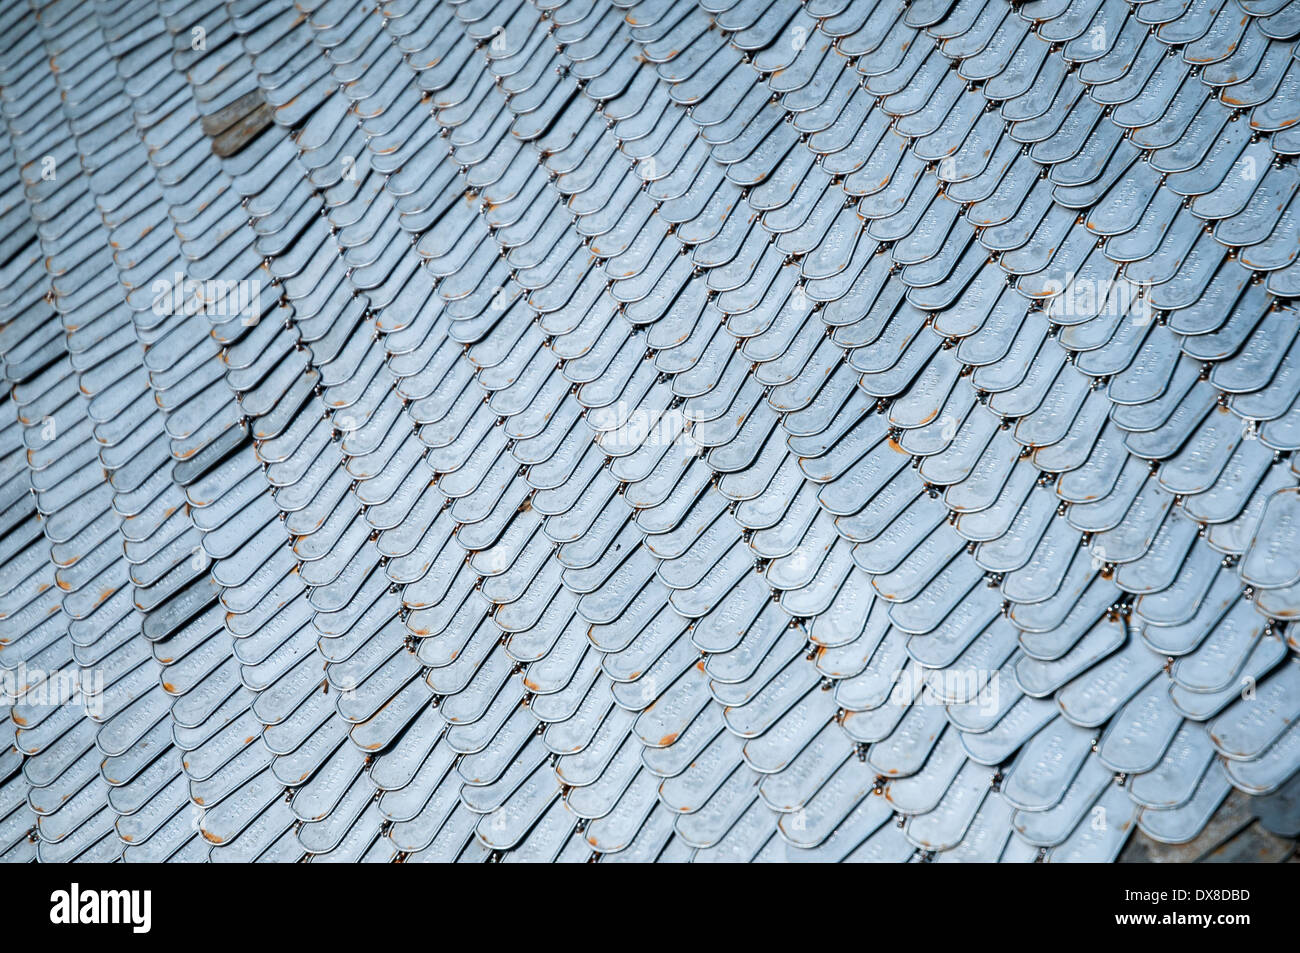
x,y
574,429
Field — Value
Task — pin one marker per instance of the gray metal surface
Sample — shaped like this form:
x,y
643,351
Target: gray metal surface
x,y
555,430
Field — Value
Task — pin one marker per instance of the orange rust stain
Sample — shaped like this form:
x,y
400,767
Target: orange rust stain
x,y
666,740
